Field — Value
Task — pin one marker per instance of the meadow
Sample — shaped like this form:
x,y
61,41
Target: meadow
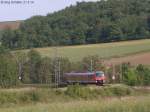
x,y
126,104
113,98
104,50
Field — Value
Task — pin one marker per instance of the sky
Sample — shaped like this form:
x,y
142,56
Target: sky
x,y
11,10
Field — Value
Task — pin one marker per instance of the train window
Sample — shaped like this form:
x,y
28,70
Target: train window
x,y
99,74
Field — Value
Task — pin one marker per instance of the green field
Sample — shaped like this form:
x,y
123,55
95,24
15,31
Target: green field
x,y
126,104
106,50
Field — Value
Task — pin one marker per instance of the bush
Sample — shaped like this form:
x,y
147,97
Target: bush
x,y
114,91
21,97
121,91
78,91
131,78
6,97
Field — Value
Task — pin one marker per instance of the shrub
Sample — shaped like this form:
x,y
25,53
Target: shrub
x,y
130,78
120,90
78,91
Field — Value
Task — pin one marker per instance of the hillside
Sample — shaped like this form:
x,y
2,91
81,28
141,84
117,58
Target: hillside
x,y
84,23
105,51
9,25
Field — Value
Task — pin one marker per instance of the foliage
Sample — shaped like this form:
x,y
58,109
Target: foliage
x,y
131,78
143,73
34,60
92,61
28,96
117,90
136,76
87,22
8,71
32,68
77,91
44,71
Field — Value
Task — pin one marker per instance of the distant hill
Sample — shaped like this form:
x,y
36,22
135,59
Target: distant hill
x,y
84,23
9,25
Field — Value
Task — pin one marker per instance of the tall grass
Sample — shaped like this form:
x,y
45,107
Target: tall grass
x,y
30,96
71,94
128,104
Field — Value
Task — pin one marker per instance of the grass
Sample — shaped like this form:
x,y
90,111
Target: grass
x,y
112,98
72,92
126,104
105,50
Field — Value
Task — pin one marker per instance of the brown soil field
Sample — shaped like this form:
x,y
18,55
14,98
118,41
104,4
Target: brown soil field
x,y
142,58
10,25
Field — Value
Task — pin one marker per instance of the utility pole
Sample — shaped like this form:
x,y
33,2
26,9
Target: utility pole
x,y
59,69
56,68
114,73
121,77
91,65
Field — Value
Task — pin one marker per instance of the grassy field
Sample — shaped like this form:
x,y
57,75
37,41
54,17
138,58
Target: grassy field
x,y
112,98
126,104
106,50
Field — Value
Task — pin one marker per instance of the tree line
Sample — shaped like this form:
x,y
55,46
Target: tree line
x,y
84,23
31,68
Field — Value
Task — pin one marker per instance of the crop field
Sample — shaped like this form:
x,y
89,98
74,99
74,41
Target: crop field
x,y
105,51
126,104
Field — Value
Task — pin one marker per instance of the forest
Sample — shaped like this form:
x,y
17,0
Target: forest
x,y
83,23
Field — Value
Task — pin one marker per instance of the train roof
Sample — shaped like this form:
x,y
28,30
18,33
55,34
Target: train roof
x,y
83,73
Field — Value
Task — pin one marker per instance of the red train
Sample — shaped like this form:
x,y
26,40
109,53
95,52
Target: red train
x,y
97,77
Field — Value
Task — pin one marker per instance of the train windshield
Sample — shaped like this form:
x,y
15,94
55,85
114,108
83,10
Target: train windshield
x,y
99,74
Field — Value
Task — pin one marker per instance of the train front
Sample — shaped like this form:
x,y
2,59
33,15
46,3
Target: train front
x,y
100,77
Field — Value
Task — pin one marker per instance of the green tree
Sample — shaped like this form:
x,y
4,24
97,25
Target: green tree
x,y
44,71
92,63
131,78
8,39
84,23
8,71
21,59
34,61
143,75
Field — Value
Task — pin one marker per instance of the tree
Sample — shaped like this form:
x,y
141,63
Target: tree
x,y
124,69
84,23
21,60
92,63
34,61
8,38
143,75
8,71
44,71
131,78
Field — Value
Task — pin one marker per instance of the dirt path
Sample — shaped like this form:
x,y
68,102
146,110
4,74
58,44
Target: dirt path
x,y
142,58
